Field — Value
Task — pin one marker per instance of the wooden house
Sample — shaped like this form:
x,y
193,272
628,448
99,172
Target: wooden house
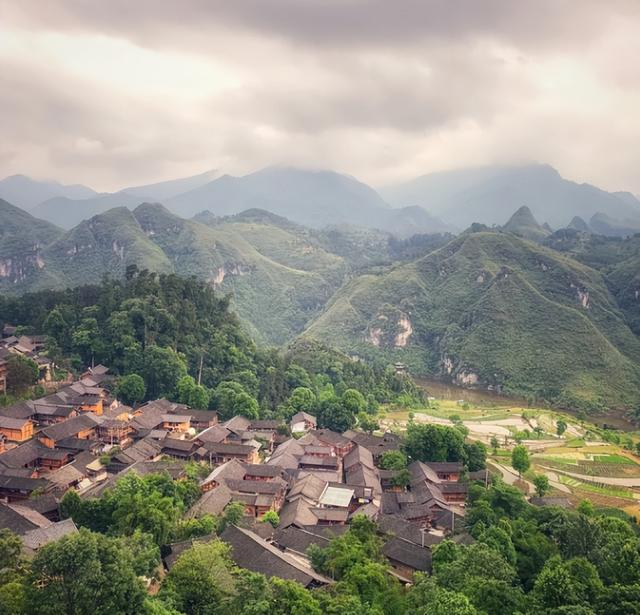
x,y
302,422
16,430
221,452
83,427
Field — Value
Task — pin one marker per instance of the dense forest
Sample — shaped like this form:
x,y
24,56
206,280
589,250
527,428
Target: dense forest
x,y
167,336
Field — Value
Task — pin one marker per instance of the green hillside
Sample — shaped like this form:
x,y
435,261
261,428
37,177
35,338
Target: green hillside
x,y
278,273
107,243
523,224
279,277
495,309
22,240
616,258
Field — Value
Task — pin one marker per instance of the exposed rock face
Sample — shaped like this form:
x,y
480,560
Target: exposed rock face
x,y
467,378
118,250
17,268
406,330
392,328
447,365
229,269
375,337
583,296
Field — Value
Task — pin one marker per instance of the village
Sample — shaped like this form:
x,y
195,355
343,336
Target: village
x,y
82,438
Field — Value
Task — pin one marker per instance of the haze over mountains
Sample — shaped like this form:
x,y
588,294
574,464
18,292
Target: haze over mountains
x,y
490,194
438,202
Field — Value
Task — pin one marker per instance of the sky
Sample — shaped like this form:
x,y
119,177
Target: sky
x,y
120,92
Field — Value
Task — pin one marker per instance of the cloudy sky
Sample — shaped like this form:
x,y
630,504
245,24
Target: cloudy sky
x,y
120,92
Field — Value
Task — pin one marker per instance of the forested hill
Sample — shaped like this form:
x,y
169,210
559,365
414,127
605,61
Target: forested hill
x,y
494,309
174,332
281,274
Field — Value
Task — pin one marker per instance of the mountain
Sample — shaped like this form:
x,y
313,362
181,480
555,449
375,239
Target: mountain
x,y
26,192
491,308
604,224
523,224
68,210
22,239
312,198
105,244
579,224
67,213
165,190
616,258
489,194
280,275
407,221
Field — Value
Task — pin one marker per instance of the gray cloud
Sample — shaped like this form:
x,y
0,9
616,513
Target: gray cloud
x,y
139,91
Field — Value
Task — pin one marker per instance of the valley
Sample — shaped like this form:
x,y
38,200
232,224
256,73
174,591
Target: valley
x,y
519,309
583,462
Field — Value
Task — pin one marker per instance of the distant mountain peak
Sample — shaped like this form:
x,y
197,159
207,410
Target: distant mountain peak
x,y
577,223
523,223
522,216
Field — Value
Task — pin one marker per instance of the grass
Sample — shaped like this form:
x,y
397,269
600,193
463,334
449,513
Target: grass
x,y
608,490
617,459
575,443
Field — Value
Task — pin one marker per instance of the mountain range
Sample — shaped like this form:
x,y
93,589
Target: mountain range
x,y
554,315
490,194
433,203
493,308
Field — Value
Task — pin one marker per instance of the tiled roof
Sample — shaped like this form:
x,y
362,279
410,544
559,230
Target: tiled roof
x,y
253,553
37,538
70,427
407,554
7,422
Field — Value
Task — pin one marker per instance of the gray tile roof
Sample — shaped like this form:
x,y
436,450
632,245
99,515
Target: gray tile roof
x,y
253,553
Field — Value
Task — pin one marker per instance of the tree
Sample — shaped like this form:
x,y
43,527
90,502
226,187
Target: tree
x,y
354,401
56,327
84,574
246,406
333,415
161,370
145,552
87,339
619,600
131,389
271,517
541,483
12,598
192,394
475,454
429,442
201,580
402,478
302,399
290,598
561,426
10,555
586,508
427,598
22,373
296,377
367,423
231,399
233,512
393,460
520,459
495,445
